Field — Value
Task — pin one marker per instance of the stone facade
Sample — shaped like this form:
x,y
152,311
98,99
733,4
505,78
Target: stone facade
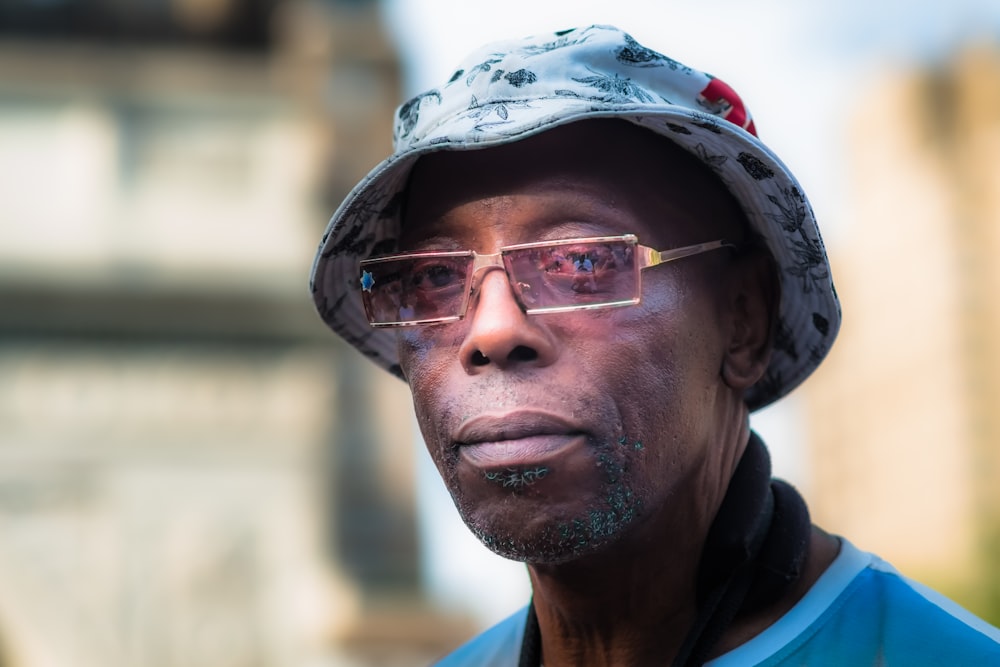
x,y
184,475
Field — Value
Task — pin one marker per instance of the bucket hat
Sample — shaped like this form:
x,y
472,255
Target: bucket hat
x,y
511,90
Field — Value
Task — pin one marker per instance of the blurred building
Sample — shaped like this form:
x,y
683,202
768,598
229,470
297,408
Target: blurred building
x,y
906,412
188,476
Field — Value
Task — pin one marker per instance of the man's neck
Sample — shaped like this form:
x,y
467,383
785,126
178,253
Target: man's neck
x,y
638,599
616,611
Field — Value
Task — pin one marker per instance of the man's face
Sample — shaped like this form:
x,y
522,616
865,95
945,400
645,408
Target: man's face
x,y
559,433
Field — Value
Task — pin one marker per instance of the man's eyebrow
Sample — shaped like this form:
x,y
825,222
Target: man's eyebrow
x,y
435,242
549,225
583,226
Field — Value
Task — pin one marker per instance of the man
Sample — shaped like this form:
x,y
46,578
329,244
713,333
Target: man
x,y
589,270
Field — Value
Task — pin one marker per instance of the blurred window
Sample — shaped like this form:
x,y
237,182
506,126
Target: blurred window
x,y
241,25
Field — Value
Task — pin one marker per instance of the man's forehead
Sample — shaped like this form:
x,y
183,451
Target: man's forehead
x,y
590,177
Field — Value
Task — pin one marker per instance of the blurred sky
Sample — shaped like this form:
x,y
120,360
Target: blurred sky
x,y
803,68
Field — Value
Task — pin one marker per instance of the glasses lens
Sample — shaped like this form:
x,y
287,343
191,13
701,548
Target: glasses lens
x,y
577,274
415,289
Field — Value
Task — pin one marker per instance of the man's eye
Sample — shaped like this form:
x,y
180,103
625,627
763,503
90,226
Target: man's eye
x,y
434,276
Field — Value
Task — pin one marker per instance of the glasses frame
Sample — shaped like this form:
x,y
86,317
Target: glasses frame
x,y
646,257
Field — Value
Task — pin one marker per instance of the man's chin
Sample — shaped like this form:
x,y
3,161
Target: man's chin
x,y
548,515
555,541
531,553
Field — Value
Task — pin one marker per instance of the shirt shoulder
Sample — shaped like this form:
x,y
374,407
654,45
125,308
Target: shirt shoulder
x,y
862,611
500,646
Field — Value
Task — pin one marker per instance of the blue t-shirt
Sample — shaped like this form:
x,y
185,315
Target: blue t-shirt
x,y
861,611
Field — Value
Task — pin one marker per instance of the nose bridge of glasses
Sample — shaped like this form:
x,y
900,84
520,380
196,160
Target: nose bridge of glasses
x,y
483,264
486,261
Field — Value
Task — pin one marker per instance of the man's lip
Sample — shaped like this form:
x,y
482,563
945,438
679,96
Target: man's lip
x,y
515,439
536,451
513,425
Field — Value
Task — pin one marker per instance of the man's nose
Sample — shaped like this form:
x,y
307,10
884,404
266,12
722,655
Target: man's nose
x,y
500,333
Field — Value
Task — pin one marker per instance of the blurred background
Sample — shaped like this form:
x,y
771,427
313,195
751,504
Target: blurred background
x,y
195,473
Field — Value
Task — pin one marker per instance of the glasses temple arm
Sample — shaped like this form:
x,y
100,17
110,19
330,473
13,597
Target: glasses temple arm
x,y
649,257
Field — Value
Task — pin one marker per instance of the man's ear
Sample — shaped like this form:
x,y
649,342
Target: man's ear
x,y
754,294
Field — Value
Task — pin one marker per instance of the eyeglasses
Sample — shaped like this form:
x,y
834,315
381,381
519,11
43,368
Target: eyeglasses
x,y
546,277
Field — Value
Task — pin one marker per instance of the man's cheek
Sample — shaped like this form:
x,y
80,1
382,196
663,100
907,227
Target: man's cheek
x,y
426,352
411,353
427,415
